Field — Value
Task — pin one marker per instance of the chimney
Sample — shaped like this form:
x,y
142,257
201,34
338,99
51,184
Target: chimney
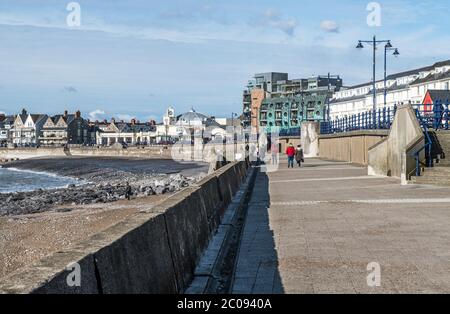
x,y
113,120
24,112
78,114
133,121
66,113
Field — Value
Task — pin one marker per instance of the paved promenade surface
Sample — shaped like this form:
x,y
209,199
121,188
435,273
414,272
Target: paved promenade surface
x,y
316,229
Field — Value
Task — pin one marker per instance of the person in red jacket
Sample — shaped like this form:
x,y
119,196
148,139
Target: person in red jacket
x,y
290,152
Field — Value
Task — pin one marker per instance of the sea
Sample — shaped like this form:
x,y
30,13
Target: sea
x,y
15,180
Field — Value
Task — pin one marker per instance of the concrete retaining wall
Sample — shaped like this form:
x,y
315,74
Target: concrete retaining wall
x,y
310,139
393,156
350,146
26,153
155,251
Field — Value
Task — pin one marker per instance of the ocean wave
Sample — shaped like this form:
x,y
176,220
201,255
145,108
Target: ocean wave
x,y
54,182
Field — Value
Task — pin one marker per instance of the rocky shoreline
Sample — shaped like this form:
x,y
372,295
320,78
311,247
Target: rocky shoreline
x,y
101,181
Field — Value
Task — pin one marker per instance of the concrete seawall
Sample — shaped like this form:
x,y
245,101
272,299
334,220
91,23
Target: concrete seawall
x,y
350,146
155,251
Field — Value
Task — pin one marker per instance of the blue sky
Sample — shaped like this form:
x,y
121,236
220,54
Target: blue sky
x,y
134,58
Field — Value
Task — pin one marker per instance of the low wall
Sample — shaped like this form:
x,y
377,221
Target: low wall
x,y
147,152
26,153
350,146
155,251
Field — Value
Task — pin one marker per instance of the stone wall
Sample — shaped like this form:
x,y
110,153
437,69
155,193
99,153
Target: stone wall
x,y
350,146
154,251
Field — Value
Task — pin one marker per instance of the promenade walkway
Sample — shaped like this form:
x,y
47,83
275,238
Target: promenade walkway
x,y
316,229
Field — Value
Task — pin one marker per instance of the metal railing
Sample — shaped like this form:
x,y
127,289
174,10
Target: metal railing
x,y
428,143
435,116
381,120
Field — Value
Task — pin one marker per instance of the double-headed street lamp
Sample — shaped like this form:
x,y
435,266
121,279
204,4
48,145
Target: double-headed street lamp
x,y
388,47
374,42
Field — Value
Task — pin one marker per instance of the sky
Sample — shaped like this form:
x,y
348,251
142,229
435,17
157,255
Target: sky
x,y
134,58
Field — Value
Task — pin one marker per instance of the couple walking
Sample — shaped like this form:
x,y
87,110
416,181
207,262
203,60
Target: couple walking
x,y
294,153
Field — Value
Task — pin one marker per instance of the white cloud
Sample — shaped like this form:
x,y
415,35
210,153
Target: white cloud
x,y
274,19
329,26
96,114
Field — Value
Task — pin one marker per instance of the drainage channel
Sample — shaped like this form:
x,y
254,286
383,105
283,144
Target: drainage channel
x,y
215,272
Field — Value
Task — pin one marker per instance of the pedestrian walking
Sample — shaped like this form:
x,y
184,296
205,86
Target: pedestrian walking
x,y
299,156
290,152
128,191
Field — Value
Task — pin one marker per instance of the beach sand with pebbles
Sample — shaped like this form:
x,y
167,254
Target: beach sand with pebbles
x,y
37,225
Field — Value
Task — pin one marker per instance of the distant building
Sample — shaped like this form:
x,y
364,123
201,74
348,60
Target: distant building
x,y
130,133
278,91
6,124
286,114
60,130
191,122
410,86
27,128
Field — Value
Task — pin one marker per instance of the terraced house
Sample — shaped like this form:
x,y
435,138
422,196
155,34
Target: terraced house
x,y
27,128
410,86
6,124
60,130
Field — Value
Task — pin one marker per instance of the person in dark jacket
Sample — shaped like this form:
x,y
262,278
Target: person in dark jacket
x,y
299,156
128,192
290,152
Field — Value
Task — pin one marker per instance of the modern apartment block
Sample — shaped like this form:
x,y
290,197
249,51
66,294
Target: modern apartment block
x,y
276,90
287,113
410,86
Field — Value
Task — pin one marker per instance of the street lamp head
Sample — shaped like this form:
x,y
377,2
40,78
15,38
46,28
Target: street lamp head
x,y
360,45
389,45
396,53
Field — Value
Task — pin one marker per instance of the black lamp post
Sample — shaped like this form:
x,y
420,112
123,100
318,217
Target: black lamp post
x,y
388,47
374,42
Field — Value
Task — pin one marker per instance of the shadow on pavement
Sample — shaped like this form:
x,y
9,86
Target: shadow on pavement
x,y
257,265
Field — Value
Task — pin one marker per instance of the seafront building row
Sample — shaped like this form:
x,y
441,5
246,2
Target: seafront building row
x,y
273,100
31,130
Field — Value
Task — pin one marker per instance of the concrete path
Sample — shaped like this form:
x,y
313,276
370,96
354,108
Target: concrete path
x,y
316,229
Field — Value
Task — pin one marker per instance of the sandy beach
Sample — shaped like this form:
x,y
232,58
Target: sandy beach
x,y
34,225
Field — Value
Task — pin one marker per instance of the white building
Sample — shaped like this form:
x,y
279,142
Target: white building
x,y
191,122
132,133
27,128
410,86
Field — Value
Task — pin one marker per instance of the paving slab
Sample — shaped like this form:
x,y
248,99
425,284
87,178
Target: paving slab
x,y
315,229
